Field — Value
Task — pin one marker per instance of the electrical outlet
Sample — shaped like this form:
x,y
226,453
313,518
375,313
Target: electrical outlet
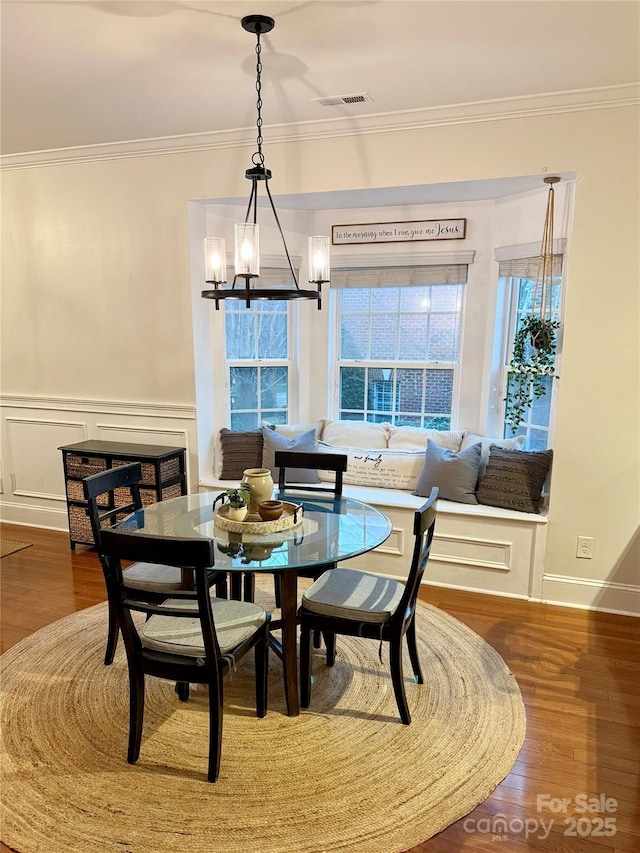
x,y
585,547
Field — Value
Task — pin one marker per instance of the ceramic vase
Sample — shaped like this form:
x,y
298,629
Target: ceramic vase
x,y
260,484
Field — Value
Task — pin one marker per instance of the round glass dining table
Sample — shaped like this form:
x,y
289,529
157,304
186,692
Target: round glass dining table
x,y
330,530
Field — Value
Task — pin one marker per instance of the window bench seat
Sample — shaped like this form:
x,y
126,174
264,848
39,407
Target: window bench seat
x,y
476,547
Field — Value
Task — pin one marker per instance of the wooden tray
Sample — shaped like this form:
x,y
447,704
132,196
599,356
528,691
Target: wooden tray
x,y
291,517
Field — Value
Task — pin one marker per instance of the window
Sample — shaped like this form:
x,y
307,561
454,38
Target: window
x,y
258,362
518,278
399,338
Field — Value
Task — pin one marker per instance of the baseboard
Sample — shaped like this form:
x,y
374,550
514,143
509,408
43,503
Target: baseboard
x,y
621,599
34,516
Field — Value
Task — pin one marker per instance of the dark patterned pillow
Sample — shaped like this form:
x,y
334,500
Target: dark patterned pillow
x,y
513,479
240,450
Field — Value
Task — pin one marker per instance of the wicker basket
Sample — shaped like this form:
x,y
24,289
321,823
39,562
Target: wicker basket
x,y
84,466
169,468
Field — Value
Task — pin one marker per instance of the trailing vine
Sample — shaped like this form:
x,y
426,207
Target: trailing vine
x,y
532,360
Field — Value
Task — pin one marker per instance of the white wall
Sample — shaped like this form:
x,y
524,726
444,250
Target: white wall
x,y
97,291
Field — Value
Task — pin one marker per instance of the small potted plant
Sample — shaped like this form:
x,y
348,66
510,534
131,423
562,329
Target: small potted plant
x,y
238,500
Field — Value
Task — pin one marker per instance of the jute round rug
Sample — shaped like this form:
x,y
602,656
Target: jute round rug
x,y
345,775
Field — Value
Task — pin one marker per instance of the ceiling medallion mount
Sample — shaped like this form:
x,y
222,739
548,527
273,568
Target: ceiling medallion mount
x,y
247,255
258,24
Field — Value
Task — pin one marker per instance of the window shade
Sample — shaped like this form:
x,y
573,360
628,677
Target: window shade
x,y
413,276
527,267
273,277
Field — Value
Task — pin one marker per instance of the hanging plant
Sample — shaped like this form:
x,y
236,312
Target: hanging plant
x,y
534,345
533,360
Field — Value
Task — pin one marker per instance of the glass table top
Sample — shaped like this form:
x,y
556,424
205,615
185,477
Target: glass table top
x,y
332,529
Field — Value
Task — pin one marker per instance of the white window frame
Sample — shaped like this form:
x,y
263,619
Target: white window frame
x,y
465,257
291,362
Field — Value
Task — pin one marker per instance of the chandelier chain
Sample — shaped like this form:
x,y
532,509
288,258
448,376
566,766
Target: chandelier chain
x,y
258,157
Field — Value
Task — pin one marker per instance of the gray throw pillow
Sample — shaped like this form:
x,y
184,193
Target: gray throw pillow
x,y
306,442
455,474
513,479
240,450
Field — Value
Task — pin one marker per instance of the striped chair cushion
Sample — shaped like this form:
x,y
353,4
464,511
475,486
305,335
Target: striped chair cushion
x,y
349,594
235,621
160,578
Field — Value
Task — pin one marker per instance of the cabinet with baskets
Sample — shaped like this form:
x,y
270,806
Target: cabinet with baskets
x,y
163,477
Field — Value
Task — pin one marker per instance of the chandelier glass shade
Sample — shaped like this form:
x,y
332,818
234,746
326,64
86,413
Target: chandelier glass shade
x,y
246,284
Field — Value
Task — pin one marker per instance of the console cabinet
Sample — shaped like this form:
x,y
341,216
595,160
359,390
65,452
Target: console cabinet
x,y
163,477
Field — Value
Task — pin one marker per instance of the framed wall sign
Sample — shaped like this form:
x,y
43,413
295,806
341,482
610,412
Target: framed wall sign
x,y
399,232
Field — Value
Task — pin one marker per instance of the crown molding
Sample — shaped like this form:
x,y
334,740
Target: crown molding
x,y
499,109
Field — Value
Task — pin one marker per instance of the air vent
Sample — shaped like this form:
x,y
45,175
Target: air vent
x,y
340,100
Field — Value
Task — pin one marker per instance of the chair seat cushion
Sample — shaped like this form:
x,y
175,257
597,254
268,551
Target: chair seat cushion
x,y
349,594
235,622
143,575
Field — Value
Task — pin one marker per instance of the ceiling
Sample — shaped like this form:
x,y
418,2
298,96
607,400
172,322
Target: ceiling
x,y
90,72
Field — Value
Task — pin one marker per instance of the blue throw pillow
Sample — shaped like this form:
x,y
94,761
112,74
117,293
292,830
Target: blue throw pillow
x,y
455,474
306,442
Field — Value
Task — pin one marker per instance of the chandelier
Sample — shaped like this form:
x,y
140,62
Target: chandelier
x,y
245,284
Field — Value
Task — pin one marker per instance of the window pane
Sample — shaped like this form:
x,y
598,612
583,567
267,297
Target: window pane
x,y
273,307
410,384
379,392
415,299
354,337
275,417
437,423
439,391
352,388
243,388
407,420
244,420
240,334
412,340
537,439
384,334
384,300
272,335
443,337
381,327
356,300
446,297
273,387
541,408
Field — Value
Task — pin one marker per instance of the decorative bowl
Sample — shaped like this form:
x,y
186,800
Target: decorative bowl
x,y
270,510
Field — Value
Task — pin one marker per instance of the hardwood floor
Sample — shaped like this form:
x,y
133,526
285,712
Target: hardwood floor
x,y
579,673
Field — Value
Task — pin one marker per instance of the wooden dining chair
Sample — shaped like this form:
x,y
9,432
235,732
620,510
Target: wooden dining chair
x,y
190,638
359,604
111,495
287,461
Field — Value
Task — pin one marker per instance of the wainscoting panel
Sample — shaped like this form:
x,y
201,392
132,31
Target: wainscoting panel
x,y
498,553
473,553
394,544
33,428
143,435
34,475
